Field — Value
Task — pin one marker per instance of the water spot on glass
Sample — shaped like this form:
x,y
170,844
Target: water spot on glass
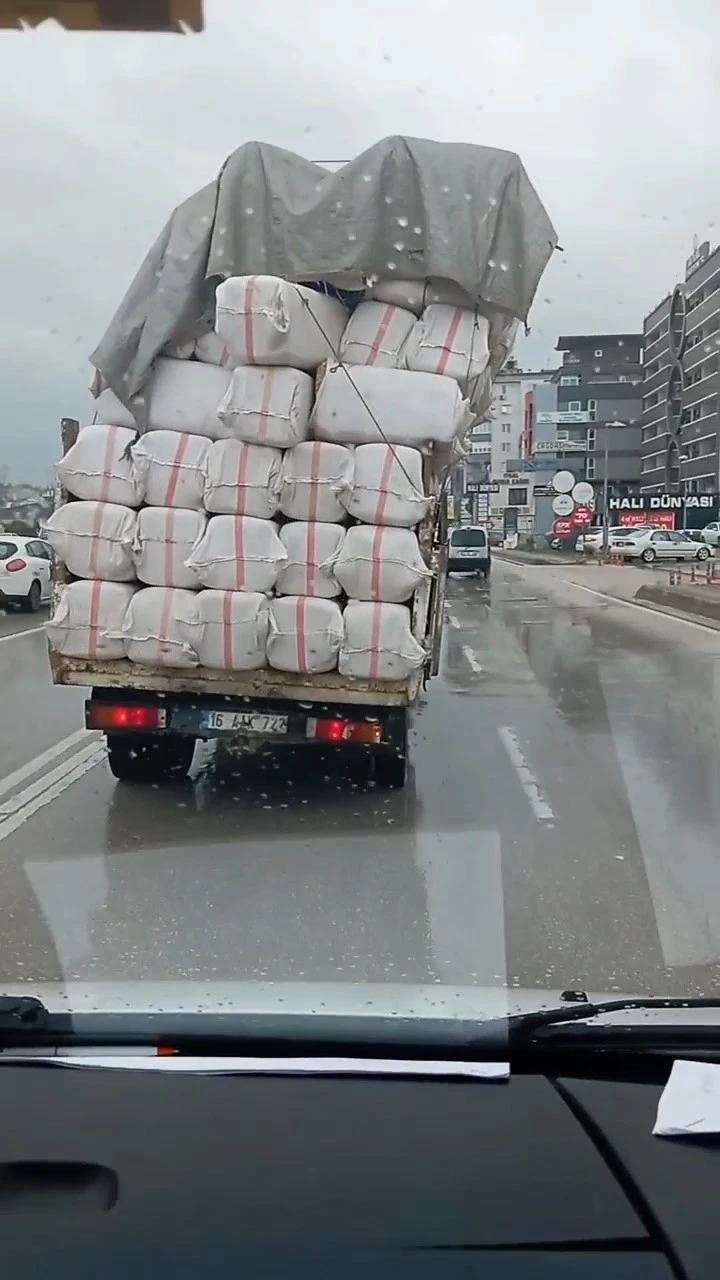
x,y
492,202
184,257
249,211
318,186
351,235
504,266
468,196
388,199
417,231
392,266
491,264
158,275
204,219
402,221
445,191
338,204
399,246
367,177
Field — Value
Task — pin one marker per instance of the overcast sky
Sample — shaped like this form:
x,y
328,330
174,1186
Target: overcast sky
x,y
610,105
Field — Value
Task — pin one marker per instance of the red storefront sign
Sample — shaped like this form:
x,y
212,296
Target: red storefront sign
x,y
582,516
662,519
563,527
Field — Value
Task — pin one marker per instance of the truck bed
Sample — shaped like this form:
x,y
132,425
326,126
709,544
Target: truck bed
x,y
264,683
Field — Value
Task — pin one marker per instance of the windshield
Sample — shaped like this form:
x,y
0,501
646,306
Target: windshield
x,y
347,305
468,538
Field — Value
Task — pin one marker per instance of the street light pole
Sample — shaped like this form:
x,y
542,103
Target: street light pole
x,y
606,513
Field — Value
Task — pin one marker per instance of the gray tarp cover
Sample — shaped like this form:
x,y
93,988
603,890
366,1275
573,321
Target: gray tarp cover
x,y
464,213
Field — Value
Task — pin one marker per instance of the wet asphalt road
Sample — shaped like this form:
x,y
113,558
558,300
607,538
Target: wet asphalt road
x,y
560,826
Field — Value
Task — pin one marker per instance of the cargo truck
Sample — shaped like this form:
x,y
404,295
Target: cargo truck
x,y
478,227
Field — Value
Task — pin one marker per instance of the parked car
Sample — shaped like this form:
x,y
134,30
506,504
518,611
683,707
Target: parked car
x,y
468,550
25,571
711,533
594,536
659,544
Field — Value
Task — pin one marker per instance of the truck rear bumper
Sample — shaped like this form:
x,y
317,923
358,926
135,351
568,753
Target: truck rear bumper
x,y
127,712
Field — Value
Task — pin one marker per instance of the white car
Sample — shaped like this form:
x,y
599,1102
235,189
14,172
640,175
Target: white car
x,y
711,534
25,571
594,536
659,544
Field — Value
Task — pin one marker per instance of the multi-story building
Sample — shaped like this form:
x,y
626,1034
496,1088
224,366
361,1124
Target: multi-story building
x,y
680,423
587,419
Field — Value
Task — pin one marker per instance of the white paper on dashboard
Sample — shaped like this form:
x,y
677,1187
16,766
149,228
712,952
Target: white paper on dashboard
x,y
690,1102
149,1061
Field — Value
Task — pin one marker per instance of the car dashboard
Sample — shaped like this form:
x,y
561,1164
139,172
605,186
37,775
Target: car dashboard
x,y
123,1172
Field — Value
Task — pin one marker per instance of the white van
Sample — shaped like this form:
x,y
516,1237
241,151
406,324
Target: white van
x,y
468,550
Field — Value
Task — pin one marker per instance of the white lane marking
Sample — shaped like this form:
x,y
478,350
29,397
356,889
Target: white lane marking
x,y
17,635
454,622
472,659
34,766
28,802
528,781
21,798
631,604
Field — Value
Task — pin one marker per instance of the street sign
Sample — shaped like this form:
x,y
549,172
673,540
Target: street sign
x,y
563,528
560,446
542,491
584,493
582,517
563,481
476,486
563,504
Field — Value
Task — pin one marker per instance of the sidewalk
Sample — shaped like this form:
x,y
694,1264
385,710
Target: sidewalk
x,y
649,587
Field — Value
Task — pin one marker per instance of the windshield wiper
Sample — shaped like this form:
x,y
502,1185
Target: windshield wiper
x,y
572,1023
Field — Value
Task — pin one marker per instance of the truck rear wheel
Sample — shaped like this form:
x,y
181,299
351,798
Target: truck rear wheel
x,y
149,757
390,767
390,770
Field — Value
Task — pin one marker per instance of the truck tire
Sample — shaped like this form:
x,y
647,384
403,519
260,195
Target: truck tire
x,y
149,757
390,770
391,766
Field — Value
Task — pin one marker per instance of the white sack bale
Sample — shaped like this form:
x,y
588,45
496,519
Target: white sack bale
x,y
378,642
88,620
416,295
311,550
180,350
408,408
450,341
162,628
234,630
388,486
99,467
242,479
172,466
305,634
316,478
164,539
379,563
267,406
212,350
180,395
265,320
375,334
94,539
238,553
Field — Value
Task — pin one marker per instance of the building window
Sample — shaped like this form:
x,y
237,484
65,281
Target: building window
x,y
592,405
570,382
591,439
598,352
506,427
517,497
562,434
506,447
591,468
575,406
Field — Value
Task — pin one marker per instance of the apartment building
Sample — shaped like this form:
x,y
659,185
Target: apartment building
x,y
681,384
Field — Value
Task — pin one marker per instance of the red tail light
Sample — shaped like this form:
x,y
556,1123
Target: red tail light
x,y
14,566
344,731
100,715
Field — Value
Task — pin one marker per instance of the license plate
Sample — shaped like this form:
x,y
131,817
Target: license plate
x,y
243,722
